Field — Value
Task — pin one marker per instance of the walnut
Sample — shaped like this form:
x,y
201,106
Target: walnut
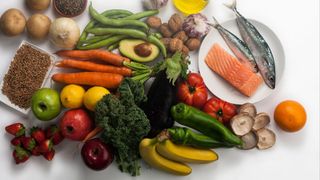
x,y
181,35
185,51
175,45
166,42
193,44
154,22
175,23
165,31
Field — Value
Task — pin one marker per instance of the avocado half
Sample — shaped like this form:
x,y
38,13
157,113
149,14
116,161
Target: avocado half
x,y
128,48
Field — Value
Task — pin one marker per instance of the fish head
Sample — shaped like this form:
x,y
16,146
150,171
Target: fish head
x,y
270,79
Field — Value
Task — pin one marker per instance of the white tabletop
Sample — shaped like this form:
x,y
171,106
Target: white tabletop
x,y
295,155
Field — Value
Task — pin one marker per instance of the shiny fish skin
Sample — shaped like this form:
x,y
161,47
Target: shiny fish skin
x,y
258,46
237,46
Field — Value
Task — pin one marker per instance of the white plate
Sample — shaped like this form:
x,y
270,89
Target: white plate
x,y
221,88
5,99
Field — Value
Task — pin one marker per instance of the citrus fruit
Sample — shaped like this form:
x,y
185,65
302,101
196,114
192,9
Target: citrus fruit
x,y
71,96
93,95
290,116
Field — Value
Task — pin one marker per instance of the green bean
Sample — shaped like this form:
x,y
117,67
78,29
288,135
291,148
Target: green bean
x,y
113,46
95,39
115,22
141,15
91,23
129,32
154,40
104,43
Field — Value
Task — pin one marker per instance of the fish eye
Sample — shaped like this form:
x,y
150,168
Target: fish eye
x,y
271,78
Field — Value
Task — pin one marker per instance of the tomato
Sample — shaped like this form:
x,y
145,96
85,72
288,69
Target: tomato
x,y
219,109
193,91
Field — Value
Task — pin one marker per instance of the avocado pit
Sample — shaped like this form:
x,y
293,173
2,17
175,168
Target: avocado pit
x,y
143,50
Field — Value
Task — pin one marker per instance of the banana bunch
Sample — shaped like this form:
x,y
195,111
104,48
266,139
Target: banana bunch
x,y
167,156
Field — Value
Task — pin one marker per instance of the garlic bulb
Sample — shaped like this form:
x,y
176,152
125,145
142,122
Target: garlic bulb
x,y
154,4
196,26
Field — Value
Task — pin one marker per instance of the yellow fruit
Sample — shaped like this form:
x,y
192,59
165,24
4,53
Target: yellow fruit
x,y
71,96
185,154
93,95
149,154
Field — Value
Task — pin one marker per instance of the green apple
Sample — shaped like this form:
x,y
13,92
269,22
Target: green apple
x,y
46,104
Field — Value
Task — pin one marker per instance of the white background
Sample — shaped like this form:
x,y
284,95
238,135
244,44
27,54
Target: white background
x,y
295,155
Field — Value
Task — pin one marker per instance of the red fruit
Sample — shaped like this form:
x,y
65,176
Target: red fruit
x,y
20,155
49,155
76,124
17,141
16,129
54,133
28,143
45,146
38,134
36,151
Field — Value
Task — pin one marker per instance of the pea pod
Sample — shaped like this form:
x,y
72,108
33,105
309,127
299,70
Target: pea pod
x,y
104,43
185,136
113,46
196,119
116,22
154,40
129,32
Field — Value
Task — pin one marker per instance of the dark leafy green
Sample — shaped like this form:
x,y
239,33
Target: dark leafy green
x,y
124,124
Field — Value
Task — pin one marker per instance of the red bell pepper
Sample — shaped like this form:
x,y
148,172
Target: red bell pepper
x,y
193,91
219,109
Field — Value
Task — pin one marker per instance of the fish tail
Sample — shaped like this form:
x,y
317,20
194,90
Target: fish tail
x,y
232,5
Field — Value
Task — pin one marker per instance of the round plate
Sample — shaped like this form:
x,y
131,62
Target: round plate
x,y
221,88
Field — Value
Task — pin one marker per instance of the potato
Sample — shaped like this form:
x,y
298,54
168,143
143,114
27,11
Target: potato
x,y
38,5
12,22
38,26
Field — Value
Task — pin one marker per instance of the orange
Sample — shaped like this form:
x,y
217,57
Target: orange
x,y
290,116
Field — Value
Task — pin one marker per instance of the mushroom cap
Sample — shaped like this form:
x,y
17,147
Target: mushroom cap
x,y
249,140
248,108
266,138
261,120
241,124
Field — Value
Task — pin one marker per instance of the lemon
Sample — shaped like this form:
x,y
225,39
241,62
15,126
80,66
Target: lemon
x,y
93,95
71,96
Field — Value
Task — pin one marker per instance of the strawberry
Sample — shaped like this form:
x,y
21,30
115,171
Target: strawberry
x,y
38,134
28,143
54,133
17,141
45,146
36,151
20,155
16,129
49,155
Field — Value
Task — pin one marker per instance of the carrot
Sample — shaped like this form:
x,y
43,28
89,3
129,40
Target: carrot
x,y
102,55
90,66
93,133
107,80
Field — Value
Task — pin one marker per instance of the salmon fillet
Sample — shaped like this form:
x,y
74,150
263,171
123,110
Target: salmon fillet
x,y
233,71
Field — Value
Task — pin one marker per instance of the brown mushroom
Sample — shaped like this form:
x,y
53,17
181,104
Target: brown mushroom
x,y
266,138
248,108
241,124
249,140
260,121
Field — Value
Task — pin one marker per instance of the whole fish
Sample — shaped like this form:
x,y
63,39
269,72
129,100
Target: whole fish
x,y
237,46
258,46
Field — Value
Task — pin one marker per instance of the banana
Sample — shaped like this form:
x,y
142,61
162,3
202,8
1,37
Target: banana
x,y
147,148
187,154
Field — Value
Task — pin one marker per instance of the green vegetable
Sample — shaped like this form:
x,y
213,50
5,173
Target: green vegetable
x,y
154,40
124,124
120,31
196,119
143,14
95,39
113,46
185,136
104,43
116,22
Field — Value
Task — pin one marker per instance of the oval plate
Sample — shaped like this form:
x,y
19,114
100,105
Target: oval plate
x,y
221,88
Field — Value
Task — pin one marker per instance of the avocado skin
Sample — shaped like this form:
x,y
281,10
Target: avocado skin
x,y
126,48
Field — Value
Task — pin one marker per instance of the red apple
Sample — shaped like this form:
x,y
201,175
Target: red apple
x,y
76,124
96,154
